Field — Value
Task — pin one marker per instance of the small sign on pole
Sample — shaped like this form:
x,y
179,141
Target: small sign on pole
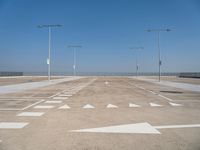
x,y
48,61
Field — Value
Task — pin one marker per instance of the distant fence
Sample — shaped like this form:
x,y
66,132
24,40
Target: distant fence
x,y
100,74
189,75
3,74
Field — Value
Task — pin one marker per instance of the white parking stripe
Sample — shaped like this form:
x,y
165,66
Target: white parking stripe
x,y
12,125
60,98
30,114
45,107
53,102
65,95
155,105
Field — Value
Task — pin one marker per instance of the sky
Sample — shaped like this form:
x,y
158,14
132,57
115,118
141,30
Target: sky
x,y
106,29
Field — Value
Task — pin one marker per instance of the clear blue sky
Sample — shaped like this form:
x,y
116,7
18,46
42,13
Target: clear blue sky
x,y
105,28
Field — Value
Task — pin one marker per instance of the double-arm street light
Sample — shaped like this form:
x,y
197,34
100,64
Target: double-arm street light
x,y
74,49
159,54
49,26
136,57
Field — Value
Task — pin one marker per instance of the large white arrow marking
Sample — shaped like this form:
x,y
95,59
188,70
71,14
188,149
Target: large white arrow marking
x,y
144,128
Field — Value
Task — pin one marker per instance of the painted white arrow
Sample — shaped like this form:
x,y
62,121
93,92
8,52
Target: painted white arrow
x,y
144,128
133,105
88,106
111,106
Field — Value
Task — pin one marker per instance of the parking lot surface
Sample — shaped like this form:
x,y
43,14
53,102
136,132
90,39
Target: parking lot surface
x,y
100,113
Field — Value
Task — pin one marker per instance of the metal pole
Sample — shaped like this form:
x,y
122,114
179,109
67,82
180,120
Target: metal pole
x,y
159,59
49,59
74,61
136,64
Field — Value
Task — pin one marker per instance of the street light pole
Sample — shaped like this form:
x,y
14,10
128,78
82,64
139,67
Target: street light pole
x,y
49,50
74,51
49,62
136,57
159,52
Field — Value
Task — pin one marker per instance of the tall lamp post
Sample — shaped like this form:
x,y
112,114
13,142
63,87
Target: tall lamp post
x,y
136,49
74,49
159,54
49,26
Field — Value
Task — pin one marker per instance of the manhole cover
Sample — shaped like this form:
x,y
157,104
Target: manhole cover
x,y
175,92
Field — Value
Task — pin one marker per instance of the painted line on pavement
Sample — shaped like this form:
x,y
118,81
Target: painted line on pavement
x,y
12,125
44,107
62,98
32,105
30,114
53,102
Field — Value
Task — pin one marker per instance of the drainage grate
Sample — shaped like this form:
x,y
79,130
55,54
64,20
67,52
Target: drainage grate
x,y
174,92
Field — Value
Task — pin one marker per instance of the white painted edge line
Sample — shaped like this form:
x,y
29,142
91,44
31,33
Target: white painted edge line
x,y
175,104
169,99
53,102
44,107
65,95
133,105
64,107
155,105
88,106
30,114
13,125
9,109
60,98
111,106
32,105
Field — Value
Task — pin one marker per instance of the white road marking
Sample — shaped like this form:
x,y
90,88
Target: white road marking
x,y
106,82
12,125
152,92
53,102
88,106
111,106
142,128
133,105
128,128
64,107
169,99
142,88
155,105
44,107
178,126
65,95
175,104
32,105
30,114
60,98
